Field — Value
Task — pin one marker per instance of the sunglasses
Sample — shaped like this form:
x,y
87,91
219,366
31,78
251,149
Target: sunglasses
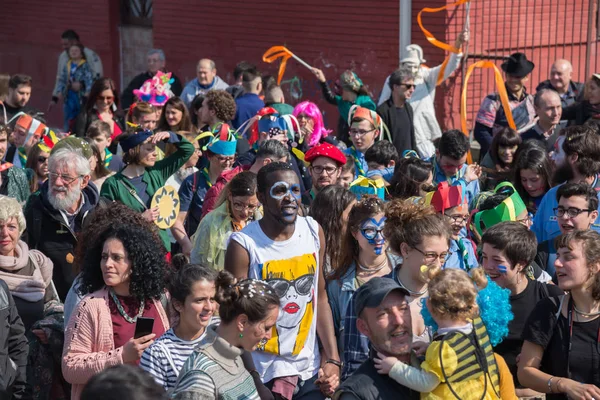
x,y
409,85
303,285
105,98
42,160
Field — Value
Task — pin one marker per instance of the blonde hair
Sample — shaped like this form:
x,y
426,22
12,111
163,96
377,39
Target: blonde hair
x,y
10,208
453,293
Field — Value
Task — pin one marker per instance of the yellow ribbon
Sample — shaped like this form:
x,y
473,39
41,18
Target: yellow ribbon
x,y
429,35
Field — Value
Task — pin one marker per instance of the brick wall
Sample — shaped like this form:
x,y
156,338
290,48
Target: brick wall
x,y
31,45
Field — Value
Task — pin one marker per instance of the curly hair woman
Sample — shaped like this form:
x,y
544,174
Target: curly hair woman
x,y
123,278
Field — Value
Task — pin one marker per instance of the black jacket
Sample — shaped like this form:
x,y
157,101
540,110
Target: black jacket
x,y
49,233
13,349
84,120
579,113
128,98
403,137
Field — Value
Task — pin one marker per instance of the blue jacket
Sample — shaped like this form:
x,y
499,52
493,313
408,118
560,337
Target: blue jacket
x,y
545,223
456,260
246,107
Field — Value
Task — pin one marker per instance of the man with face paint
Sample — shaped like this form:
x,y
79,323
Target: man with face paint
x,y
326,162
580,164
426,127
286,250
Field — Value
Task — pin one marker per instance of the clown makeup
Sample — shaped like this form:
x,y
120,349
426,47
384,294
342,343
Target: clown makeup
x,y
281,189
372,230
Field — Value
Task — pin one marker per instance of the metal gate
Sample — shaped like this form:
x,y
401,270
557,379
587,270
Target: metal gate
x,y
545,30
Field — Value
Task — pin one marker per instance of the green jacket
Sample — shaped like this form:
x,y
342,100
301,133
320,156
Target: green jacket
x,y
154,177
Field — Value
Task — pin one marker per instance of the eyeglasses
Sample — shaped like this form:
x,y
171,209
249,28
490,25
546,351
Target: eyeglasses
x,y
458,219
302,116
572,212
409,85
106,98
371,233
242,207
225,159
328,170
431,256
302,285
42,160
527,221
359,132
65,178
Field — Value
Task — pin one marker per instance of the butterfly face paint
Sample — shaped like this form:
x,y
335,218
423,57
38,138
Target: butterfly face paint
x,y
372,230
281,191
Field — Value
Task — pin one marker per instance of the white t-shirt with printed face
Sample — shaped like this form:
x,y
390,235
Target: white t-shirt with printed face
x,y
292,268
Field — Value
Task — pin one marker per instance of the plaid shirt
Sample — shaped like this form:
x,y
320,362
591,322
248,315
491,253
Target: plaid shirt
x,y
355,344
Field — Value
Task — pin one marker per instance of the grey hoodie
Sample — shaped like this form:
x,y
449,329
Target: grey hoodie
x,y
193,88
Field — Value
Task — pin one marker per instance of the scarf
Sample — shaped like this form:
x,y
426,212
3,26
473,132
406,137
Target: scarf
x,y
22,152
29,288
107,157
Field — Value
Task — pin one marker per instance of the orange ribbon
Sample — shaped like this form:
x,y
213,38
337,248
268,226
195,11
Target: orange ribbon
x,y
273,54
429,35
501,92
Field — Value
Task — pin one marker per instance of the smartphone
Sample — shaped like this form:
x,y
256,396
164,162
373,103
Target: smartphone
x,y
143,327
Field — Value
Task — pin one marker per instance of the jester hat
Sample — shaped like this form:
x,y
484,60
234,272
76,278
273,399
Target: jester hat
x,y
156,90
508,210
223,140
357,111
29,124
447,196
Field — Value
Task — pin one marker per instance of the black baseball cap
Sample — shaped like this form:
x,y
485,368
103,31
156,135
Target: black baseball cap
x,y
372,293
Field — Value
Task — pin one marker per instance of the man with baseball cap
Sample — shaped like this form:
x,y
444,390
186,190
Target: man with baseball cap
x,y
384,317
326,162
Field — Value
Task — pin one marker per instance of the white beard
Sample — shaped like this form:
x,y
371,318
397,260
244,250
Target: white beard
x,y
62,203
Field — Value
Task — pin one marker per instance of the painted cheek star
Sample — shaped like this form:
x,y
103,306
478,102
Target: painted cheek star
x,y
372,230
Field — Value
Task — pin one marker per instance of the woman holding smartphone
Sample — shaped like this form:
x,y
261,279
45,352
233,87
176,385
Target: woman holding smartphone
x,y
123,279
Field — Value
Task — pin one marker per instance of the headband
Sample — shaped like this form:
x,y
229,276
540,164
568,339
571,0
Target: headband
x,y
508,210
135,140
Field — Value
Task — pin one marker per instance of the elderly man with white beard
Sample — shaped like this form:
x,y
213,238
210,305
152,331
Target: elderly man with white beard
x,y
55,214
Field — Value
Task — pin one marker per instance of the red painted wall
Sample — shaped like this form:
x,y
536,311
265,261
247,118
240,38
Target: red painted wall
x,y
31,45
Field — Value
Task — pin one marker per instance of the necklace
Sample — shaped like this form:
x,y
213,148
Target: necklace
x,y
585,314
373,270
412,292
122,310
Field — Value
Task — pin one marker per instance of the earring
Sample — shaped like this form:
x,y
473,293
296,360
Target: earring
x,y
241,335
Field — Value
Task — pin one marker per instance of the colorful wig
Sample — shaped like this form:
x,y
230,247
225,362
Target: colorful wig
x,y
312,111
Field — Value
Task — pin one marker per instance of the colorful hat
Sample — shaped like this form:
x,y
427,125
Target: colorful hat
x,y
224,141
508,210
48,141
349,80
29,124
357,111
326,150
272,124
447,196
74,143
157,90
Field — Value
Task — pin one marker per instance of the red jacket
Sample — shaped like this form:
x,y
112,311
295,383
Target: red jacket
x,y
210,200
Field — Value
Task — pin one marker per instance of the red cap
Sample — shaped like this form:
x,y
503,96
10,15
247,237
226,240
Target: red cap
x,y
326,150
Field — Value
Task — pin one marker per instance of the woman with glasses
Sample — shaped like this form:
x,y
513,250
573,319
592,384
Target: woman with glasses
x,y
136,184
422,237
237,205
102,104
561,351
363,256
37,162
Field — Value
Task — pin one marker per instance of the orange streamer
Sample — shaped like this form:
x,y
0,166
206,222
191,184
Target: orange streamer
x,y
501,91
275,53
429,35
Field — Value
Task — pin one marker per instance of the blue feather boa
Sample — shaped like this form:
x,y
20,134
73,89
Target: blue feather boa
x,y
494,309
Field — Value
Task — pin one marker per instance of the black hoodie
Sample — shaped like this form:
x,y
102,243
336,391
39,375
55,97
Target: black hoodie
x,y
49,233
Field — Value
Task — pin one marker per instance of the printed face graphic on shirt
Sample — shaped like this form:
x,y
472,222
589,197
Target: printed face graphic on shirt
x,y
294,282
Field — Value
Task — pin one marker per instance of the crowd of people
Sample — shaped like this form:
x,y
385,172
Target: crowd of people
x,y
364,261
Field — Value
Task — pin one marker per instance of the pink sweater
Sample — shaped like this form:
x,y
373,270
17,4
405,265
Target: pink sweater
x,y
89,344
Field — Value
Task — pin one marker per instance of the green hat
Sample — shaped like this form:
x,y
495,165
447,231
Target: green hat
x,y
508,210
74,143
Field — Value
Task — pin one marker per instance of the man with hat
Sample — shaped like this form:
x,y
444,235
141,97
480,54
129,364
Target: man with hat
x,y
492,116
384,317
426,80
27,132
326,162
220,152
55,214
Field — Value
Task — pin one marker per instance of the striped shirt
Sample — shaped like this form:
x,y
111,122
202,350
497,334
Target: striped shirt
x,y
164,359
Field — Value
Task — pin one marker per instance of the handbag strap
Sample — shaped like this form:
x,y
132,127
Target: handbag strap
x,y
133,192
